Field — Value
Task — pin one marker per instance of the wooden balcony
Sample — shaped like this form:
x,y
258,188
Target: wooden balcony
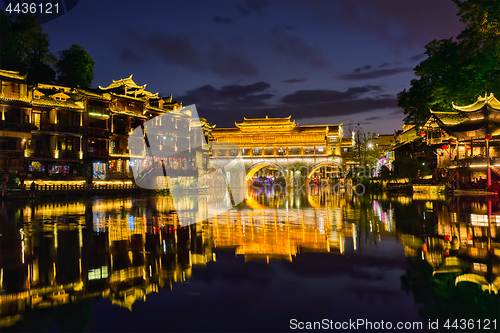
x,y
69,154
15,127
98,152
5,154
57,128
121,130
103,132
15,96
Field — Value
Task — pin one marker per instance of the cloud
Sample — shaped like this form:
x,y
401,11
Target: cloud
x,y
305,97
374,74
218,19
385,64
225,63
297,50
130,55
233,102
249,7
181,51
417,57
405,24
295,80
359,69
174,49
228,97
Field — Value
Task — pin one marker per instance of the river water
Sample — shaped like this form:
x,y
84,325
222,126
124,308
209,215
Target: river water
x,y
273,263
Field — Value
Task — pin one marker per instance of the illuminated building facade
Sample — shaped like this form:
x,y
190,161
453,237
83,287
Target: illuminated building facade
x,y
280,137
15,127
281,143
55,131
467,138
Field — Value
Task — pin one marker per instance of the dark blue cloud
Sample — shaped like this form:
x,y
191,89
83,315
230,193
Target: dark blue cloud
x,y
376,74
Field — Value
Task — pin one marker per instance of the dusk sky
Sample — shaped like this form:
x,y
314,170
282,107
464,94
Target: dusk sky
x,y
323,62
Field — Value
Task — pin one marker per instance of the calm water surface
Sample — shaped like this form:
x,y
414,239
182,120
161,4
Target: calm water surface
x,y
125,264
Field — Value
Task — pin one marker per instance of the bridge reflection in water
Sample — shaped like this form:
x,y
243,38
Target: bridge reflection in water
x,y
123,249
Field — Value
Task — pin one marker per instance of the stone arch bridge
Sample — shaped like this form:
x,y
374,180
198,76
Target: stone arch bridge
x,y
285,165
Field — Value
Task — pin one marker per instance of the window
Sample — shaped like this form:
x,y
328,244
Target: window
x,y
269,151
308,151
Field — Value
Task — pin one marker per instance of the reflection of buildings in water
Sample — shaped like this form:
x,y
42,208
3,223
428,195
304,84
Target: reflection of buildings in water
x,y
124,249
467,243
110,249
280,234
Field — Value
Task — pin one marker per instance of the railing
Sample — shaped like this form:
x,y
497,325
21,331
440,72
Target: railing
x,y
99,131
40,153
14,127
10,153
97,109
77,187
435,141
121,130
119,152
69,154
98,152
15,96
59,128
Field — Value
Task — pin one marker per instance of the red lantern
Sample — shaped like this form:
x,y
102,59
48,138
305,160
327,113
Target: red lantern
x,y
445,147
467,147
446,238
488,136
422,133
424,247
451,140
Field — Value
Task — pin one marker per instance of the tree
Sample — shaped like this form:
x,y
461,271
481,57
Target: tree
x,y
365,151
75,67
25,48
458,70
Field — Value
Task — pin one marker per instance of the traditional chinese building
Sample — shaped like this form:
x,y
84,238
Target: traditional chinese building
x,y
15,128
467,138
50,130
281,142
281,137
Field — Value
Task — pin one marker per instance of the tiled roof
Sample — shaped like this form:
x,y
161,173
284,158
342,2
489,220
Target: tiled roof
x,y
93,94
481,101
266,122
449,118
128,82
13,75
46,101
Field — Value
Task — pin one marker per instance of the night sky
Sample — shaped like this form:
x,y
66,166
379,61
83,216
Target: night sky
x,y
323,62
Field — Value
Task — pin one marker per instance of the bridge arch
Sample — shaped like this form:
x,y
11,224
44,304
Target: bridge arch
x,y
254,168
316,166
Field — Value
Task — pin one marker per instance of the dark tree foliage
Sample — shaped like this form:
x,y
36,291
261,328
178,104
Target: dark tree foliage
x,y
458,70
25,48
75,67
